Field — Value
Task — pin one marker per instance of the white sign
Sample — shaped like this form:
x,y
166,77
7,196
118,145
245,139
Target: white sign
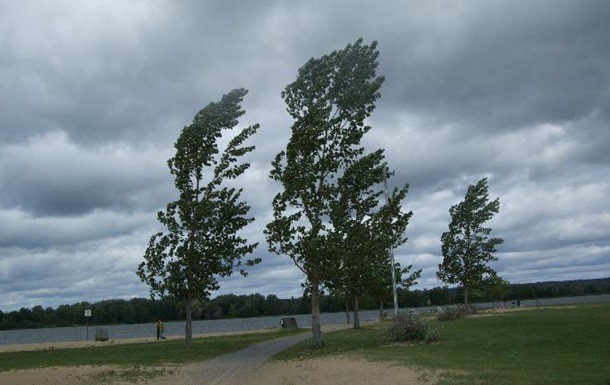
x,y
88,313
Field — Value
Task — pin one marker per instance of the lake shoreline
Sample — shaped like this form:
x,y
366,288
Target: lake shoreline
x,y
121,341
78,336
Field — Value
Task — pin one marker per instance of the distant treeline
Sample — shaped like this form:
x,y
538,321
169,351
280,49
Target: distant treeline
x,y
141,310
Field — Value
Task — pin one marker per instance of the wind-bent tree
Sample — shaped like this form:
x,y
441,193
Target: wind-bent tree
x,y
467,247
363,230
201,241
329,101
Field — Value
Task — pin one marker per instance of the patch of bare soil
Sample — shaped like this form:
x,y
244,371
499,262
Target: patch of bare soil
x,y
340,371
336,371
50,376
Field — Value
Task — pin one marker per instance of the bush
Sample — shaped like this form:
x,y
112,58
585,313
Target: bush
x,y
451,313
409,327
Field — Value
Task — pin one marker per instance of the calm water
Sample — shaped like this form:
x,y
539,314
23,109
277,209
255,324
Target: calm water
x,y
79,333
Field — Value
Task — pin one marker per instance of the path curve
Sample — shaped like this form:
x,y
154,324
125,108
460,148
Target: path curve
x,y
233,368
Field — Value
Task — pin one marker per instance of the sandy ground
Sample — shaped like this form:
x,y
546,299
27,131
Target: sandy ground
x,y
339,371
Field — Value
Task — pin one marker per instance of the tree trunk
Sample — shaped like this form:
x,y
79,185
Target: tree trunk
x,y
347,310
380,309
188,327
356,309
465,295
316,331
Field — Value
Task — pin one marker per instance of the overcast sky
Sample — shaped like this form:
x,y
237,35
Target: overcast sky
x,y
94,93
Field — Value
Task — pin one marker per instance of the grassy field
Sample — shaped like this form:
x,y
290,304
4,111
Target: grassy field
x,y
567,345
137,354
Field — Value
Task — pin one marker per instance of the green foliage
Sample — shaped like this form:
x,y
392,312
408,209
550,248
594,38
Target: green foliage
x,y
142,310
201,242
467,248
451,313
329,101
498,288
411,327
363,230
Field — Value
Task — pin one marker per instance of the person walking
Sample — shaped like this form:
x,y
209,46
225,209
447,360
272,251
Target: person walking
x,y
159,323
162,330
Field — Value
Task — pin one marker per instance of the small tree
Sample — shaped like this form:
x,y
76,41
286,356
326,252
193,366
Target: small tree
x,y
201,243
467,248
363,230
329,101
498,288
382,285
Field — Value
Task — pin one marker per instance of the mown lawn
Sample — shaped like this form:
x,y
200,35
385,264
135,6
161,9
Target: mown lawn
x,y
563,345
137,354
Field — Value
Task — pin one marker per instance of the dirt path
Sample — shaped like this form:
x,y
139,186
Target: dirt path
x,y
235,368
250,366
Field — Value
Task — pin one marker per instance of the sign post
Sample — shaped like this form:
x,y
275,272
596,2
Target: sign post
x,y
87,316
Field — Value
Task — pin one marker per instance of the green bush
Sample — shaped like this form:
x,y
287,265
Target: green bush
x,y
451,313
410,327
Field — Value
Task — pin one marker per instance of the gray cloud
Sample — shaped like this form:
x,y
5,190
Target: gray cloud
x,y
94,95
48,175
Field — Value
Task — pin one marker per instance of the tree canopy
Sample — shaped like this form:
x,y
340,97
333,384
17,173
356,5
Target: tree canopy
x,y
202,241
329,101
364,229
467,247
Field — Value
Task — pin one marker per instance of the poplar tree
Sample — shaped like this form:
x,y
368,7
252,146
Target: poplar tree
x,y
467,247
201,241
364,230
329,101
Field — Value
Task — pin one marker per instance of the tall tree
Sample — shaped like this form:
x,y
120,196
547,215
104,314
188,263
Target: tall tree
x,y
467,247
364,230
329,101
201,241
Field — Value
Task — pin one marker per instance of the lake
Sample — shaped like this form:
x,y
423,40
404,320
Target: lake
x,y
80,333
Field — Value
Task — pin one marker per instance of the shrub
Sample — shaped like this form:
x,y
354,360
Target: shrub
x,y
410,327
385,316
451,313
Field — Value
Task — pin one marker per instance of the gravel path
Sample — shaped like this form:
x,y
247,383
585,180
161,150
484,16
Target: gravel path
x,y
233,368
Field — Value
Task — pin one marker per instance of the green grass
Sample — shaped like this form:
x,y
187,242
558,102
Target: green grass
x,y
137,354
546,346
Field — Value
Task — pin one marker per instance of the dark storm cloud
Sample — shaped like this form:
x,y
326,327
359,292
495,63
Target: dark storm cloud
x,y
502,65
95,93
92,270
50,176
109,73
